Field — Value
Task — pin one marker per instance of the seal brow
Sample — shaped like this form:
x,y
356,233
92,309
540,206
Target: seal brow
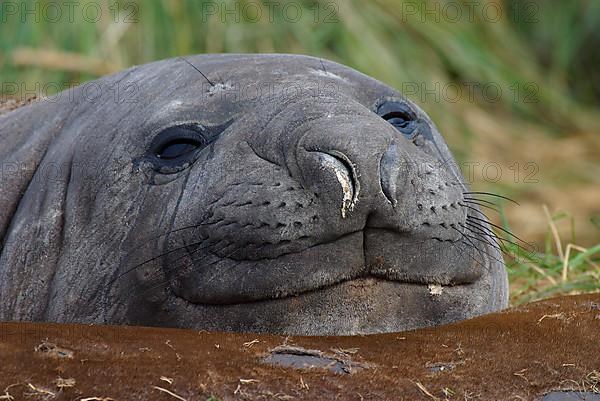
x,y
261,157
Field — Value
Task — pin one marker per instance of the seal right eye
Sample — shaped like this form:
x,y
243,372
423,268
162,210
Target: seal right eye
x,y
177,148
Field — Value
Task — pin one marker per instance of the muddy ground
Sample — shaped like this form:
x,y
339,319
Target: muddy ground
x,y
519,354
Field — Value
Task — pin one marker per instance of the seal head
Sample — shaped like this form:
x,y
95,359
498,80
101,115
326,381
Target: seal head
x,y
269,193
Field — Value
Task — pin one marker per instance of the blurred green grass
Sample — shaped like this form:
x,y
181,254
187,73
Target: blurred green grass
x,y
542,55
383,38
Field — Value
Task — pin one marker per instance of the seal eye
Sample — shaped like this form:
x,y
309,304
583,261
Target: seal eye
x,y
398,119
399,115
177,148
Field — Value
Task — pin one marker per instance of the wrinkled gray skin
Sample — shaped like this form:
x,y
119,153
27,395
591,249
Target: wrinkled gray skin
x,y
304,212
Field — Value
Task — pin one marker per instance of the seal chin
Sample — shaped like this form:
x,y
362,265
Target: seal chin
x,y
359,306
372,305
368,254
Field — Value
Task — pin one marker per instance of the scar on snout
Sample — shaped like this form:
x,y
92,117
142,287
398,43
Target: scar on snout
x,y
327,74
219,87
435,289
174,104
343,179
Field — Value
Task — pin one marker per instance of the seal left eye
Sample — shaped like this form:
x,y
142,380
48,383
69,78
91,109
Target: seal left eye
x,y
399,115
398,119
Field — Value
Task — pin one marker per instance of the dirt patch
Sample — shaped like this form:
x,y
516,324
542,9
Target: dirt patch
x,y
301,358
521,353
53,351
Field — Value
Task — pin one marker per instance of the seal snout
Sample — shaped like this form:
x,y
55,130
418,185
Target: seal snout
x,y
395,193
364,174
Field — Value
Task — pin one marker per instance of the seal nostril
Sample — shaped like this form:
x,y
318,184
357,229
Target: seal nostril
x,y
389,168
346,174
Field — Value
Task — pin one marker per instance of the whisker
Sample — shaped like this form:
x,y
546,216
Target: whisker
x,y
199,248
491,194
499,228
480,231
482,239
323,66
463,251
474,246
503,240
467,237
167,281
146,239
196,68
155,258
474,209
481,200
482,205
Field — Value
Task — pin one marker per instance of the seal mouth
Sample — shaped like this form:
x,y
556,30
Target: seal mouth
x,y
435,265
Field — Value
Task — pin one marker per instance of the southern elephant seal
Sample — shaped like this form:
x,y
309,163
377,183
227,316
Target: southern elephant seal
x,y
269,193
